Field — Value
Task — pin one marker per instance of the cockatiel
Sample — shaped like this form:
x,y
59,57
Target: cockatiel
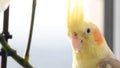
x,y
89,45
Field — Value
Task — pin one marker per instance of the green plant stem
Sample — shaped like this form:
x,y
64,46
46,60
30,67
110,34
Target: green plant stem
x,y
13,53
26,57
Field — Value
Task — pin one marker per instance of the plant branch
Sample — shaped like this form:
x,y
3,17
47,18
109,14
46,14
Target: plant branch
x,y
26,57
13,53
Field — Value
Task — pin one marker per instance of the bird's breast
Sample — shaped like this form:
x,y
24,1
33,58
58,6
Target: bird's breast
x,y
92,63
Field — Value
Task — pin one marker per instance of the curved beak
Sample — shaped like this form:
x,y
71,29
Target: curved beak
x,y
76,43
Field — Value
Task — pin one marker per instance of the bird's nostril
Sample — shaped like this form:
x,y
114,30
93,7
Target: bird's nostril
x,y
75,34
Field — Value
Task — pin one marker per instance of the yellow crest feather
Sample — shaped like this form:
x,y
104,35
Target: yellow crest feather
x,y
75,14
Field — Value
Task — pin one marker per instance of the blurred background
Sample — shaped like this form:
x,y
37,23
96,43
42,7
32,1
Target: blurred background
x,y
51,47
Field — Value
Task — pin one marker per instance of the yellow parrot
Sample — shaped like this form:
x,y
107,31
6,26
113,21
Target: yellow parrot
x,y
89,45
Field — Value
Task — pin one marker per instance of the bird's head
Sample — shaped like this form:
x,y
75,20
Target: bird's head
x,y
85,37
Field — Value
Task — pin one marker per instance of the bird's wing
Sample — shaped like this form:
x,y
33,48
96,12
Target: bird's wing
x,y
109,63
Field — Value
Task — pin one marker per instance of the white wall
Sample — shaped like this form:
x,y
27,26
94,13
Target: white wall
x,y
117,28
94,12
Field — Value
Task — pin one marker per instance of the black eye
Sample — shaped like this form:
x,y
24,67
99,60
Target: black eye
x,y
88,30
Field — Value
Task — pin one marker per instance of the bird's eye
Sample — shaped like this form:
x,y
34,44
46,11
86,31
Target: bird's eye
x,y
88,30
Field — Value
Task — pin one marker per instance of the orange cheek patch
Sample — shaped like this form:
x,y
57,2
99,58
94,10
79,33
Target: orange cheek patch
x,y
97,36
